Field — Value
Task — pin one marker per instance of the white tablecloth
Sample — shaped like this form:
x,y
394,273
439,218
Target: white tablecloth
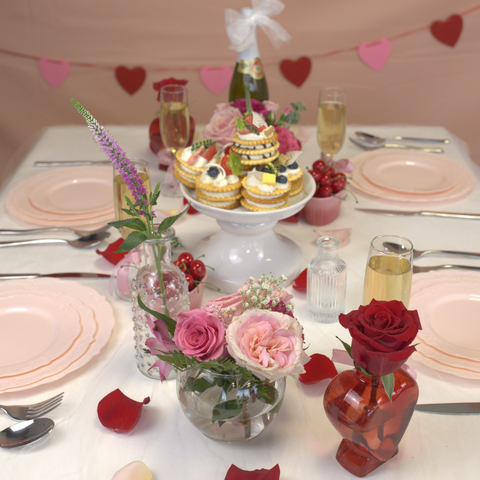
x,y
301,440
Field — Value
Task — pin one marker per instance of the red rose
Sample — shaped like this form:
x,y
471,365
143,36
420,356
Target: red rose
x,y
381,335
167,81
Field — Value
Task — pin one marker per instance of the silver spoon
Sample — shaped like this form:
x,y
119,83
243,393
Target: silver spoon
x,y
80,233
368,137
397,248
82,242
25,432
374,146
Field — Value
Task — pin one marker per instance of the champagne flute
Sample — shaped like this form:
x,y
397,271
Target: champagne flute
x,y
174,126
331,122
388,275
120,189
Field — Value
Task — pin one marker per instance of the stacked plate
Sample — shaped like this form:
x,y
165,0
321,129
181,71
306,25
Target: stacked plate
x,y
411,176
448,303
76,197
49,328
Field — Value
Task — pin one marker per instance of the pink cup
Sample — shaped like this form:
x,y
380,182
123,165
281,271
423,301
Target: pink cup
x,y
322,211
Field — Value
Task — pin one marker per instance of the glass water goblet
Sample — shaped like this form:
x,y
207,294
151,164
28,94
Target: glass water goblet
x,y
331,122
388,275
174,127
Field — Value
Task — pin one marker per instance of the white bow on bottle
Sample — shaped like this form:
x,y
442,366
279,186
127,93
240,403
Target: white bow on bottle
x,y
241,30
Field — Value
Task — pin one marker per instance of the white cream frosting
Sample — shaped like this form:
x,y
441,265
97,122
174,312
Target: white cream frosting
x,y
251,194
218,204
253,181
231,193
293,171
254,147
258,122
221,180
266,205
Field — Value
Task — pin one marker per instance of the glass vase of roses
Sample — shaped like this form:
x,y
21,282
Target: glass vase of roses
x,y
371,406
232,358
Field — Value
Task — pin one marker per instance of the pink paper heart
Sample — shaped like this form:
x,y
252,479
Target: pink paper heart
x,y
55,72
375,55
216,79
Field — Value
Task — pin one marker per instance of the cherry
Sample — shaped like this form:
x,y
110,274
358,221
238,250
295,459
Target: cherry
x,y
319,165
338,185
181,265
316,174
325,179
325,191
197,269
186,258
190,281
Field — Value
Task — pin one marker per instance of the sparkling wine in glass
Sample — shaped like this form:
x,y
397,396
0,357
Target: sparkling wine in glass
x,y
388,275
331,121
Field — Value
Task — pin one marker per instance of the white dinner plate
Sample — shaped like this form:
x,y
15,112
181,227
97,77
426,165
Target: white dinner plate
x,y
102,313
466,181
412,172
34,330
76,190
448,304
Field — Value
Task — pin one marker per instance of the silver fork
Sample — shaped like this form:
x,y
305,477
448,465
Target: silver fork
x,y
417,269
29,412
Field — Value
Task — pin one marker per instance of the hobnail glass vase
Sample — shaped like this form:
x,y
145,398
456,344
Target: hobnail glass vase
x,y
371,425
228,408
156,261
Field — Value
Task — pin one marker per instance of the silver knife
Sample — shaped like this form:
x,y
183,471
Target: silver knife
x,y
71,163
12,276
450,408
423,213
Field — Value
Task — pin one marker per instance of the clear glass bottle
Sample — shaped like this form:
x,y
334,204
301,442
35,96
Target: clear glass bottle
x,y
156,255
249,71
326,282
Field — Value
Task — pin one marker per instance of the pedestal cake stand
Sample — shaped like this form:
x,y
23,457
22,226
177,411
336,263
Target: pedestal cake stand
x,y
246,245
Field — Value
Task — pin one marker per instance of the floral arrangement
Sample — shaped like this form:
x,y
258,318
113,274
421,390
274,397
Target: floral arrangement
x,y
252,334
140,211
382,333
222,124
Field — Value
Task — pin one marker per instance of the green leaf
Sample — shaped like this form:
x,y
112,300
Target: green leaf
x,y
132,223
226,410
267,393
234,163
388,383
247,99
347,347
169,322
197,385
364,371
169,221
132,241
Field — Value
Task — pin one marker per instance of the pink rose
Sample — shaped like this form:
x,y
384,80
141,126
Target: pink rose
x,y
200,335
269,344
222,124
288,141
226,307
160,344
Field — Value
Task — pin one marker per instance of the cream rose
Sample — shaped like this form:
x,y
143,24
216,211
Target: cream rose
x,y
222,124
269,344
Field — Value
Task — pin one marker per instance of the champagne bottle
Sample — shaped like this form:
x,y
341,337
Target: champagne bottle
x,y
248,71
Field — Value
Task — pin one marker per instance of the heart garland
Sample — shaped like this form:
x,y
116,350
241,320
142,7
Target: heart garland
x,y
375,55
296,71
55,72
448,32
216,79
130,79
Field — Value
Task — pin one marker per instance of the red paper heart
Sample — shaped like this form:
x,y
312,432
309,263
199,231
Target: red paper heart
x,y
317,369
448,32
235,473
300,283
296,71
131,79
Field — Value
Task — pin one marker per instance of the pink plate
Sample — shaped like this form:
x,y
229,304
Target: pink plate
x,y
80,190
102,313
34,330
466,181
417,173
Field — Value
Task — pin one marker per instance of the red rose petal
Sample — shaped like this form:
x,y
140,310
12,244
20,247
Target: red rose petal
x,y
110,255
317,369
235,473
292,219
119,412
300,283
190,210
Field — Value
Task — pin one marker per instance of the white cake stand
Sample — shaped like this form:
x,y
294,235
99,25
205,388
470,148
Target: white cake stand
x,y
247,246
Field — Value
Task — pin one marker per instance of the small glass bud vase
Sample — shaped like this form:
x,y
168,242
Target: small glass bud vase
x,y
156,261
326,282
